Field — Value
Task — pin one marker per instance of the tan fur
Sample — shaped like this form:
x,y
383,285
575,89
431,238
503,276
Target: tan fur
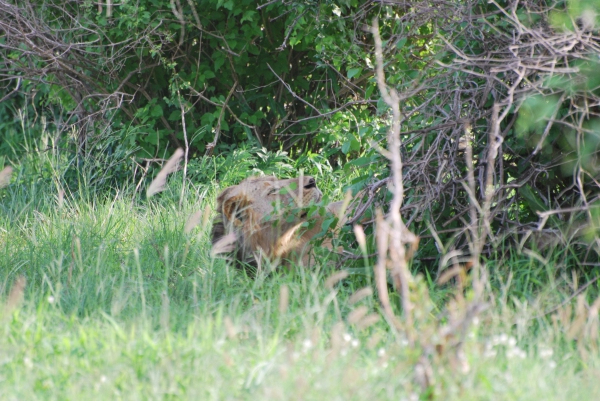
x,y
267,215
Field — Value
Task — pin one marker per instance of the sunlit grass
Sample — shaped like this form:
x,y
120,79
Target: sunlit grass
x,y
120,303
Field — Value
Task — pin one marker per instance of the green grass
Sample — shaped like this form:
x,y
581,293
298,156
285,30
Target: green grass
x,y
120,303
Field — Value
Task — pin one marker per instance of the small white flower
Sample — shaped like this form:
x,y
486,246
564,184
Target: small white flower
x,y
381,352
552,364
307,344
512,341
516,352
355,343
337,11
27,362
546,353
347,337
103,379
50,299
489,353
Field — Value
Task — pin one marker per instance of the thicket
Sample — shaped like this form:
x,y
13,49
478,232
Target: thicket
x,y
112,90
472,125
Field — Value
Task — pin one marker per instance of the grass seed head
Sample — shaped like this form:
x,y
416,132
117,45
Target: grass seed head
x,y
360,295
206,215
361,238
158,184
224,245
335,278
192,221
284,298
367,321
357,314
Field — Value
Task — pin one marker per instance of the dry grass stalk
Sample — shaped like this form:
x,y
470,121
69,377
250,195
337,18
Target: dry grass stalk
x,y
5,175
345,204
164,311
15,297
579,319
424,373
381,266
158,184
335,278
337,333
230,328
60,198
284,298
593,323
192,221
449,274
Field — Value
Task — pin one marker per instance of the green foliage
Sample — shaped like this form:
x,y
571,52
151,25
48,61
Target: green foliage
x,y
204,57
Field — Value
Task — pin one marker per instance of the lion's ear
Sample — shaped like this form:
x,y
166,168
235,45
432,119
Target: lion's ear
x,y
234,208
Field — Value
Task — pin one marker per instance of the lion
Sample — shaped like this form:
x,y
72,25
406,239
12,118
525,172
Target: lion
x,y
266,217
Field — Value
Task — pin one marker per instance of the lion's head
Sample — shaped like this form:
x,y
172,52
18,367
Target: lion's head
x,y
266,215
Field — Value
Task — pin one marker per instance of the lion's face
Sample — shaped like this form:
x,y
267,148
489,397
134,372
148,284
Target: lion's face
x,y
265,212
257,198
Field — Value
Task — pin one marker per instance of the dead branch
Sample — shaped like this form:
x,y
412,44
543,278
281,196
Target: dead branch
x,y
394,227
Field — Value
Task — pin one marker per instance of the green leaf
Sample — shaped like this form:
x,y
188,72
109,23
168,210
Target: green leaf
x,y
248,15
400,44
175,115
327,223
346,147
361,161
352,72
219,61
157,111
534,202
228,5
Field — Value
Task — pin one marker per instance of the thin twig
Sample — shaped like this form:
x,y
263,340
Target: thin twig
x,y
210,147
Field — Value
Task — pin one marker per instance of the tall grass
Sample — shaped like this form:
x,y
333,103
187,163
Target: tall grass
x,y
109,295
116,301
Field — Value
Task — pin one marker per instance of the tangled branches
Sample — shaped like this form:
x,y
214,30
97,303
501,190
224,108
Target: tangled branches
x,y
73,56
513,72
